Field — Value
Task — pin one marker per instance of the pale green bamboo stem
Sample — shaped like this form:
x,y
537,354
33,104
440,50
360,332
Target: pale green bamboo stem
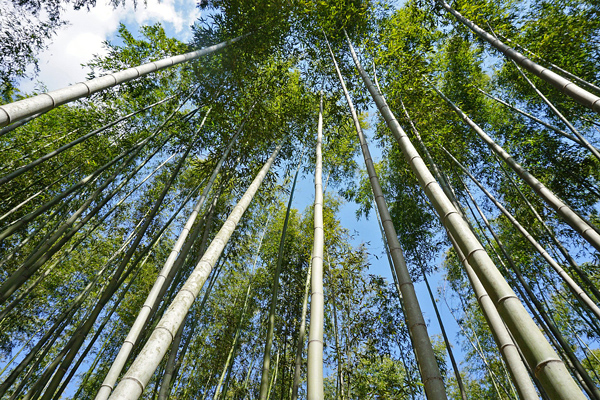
x,y
573,286
13,112
301,334
162,280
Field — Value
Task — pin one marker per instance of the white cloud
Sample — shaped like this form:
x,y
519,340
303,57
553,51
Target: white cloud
x,y
77,43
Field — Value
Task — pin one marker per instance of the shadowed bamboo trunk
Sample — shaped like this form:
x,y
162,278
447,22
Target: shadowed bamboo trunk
x,y
564,85
145,364
430,373
540,355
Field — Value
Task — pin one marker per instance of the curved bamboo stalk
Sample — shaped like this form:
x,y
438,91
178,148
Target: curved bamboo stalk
x,y
542,358
15,163
48,174
49,246
65,317
55,242
564,211
18,110
564,85
314,379
38,193
140,372
428,367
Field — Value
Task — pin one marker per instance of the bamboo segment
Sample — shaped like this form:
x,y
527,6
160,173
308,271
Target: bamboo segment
x,y
140,372
564,85
264,379
301,335
541,357
13,112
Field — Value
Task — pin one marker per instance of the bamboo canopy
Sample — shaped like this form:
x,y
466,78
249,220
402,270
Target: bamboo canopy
x,y
152,242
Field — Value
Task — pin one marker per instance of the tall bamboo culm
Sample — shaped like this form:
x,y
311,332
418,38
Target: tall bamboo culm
x,y
430,372
548,367
317,300
573,286
510,353
265,387
140,372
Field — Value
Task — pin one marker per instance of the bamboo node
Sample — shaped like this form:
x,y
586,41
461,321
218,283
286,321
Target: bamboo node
x,y
541,365
140,384
510,296
165,329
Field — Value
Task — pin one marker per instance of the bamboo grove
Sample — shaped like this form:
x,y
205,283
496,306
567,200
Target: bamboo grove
x,y
150,247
